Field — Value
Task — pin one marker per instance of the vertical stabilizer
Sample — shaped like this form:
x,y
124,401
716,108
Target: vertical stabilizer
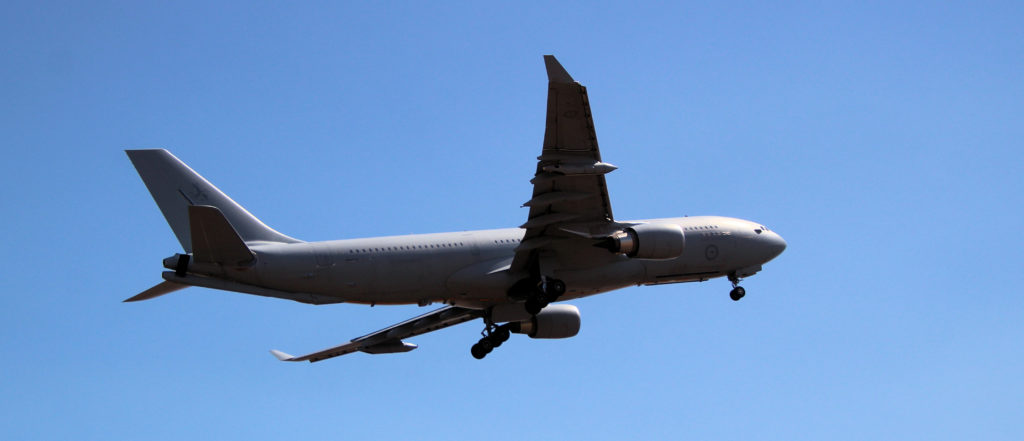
x,y
175,187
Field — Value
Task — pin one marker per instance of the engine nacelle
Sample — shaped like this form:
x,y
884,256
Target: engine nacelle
x,y
554,321
648,241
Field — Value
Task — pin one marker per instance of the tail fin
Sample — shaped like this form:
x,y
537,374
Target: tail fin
x,y
175,187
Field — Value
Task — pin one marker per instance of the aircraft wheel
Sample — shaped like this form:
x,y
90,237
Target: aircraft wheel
x,y
737,293
501,335
554,288
487,345
478,351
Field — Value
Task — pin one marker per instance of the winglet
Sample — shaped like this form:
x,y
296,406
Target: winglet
x,y
282,356
556,73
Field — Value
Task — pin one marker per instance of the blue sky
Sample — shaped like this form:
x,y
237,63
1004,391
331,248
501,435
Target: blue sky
x,y
881,139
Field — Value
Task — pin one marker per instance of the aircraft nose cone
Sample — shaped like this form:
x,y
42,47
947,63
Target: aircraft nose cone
x,y
776,245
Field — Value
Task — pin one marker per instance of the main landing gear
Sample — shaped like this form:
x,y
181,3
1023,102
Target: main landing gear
x,y
547,291
737,291
538,296
493,336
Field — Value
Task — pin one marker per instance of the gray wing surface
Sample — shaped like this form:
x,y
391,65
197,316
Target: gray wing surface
x,y
570,197
389,340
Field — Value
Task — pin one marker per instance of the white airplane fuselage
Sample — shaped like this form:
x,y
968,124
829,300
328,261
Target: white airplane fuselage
x,y
467,268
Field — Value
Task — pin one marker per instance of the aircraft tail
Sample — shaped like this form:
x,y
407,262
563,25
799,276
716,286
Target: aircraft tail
x,y
175,187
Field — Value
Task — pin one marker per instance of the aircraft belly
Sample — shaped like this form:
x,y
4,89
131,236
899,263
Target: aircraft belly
x,y
588,281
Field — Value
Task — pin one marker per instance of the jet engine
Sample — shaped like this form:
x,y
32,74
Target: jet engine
x,y
647,241
554,321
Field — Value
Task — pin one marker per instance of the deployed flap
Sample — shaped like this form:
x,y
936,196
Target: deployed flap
x,y
569,185
213,238
389,340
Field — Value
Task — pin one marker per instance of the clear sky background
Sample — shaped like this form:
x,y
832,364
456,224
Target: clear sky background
x,y
882,140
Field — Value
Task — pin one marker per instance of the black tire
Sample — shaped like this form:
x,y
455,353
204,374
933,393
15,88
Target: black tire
x,y
478,352
487,345
501,335
737,293
555,288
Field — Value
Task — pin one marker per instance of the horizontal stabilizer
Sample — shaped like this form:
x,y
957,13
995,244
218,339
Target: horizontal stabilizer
x,y
160,289
213,238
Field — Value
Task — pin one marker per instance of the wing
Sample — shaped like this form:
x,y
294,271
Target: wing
x,y
570,198
389,340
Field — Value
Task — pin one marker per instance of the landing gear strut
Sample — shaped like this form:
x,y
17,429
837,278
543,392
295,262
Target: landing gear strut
x,y
493,336
737,291
546,292
538,294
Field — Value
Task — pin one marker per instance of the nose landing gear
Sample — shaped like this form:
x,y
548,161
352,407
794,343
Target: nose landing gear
x,y
737,292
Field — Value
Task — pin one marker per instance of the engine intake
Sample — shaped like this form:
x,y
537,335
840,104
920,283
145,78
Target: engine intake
x,y
554,321
647,241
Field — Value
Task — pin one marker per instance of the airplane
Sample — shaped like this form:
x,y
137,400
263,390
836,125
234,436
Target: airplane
x,y
569,247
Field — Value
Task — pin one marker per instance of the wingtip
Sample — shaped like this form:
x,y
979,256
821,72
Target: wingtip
x,y
281,355
556,73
